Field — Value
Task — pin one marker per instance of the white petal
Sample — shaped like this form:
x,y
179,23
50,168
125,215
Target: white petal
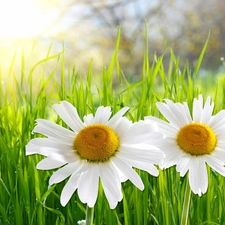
x,y
155,136
131,147
48,142
67,157
69,188
54,131
48,164
148,167
142,152
220,146
140,132
122,177
221,135
117,116
216,164
46,146
197,109
33,149
147,126
217,120
166,112
110,178
72,183
207,111
172,157
186,111
137,139
169,146
69,115
64,172
46,151
89,119
183,165
88,185
141,127
128,172
164,127
102,115
219,153
204,176
121,126
111,183
219,131
181,112
111,198
198,177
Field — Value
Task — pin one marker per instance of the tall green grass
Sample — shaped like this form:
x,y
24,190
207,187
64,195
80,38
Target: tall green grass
x,y
27,199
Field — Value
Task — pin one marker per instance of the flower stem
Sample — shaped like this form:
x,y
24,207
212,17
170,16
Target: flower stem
x,y
186,205
89,215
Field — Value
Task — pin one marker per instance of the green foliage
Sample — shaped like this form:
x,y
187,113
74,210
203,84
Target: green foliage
x,y
26,197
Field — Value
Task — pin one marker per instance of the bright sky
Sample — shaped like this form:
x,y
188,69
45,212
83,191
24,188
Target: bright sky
x,y
23,18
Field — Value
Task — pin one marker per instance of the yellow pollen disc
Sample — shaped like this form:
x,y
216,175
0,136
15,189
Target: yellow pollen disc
x,y
96,142
197,139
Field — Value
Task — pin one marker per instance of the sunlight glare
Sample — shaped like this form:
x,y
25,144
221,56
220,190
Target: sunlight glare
x,y
22,18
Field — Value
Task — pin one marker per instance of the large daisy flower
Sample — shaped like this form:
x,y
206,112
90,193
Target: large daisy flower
x,y
193,141
99,147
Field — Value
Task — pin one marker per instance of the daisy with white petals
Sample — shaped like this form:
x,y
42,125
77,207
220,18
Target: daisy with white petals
x,y
193,141
99,147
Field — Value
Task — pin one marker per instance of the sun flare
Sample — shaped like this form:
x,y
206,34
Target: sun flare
x,y
22,18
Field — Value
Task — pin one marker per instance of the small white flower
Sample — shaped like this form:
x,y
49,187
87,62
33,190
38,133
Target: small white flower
x,y
193,141
81,222
99,147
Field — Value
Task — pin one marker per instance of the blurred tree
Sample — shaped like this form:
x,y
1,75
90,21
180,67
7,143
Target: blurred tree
x,y
204,17
185,25
194,20
93,25
89,28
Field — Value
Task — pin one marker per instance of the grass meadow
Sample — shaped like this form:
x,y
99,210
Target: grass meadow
x,y
27,199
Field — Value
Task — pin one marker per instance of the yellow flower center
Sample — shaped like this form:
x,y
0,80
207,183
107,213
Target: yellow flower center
x,y
197,139
96,142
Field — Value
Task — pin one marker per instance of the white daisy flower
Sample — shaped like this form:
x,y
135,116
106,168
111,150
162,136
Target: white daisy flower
x,y
97,147
192,141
